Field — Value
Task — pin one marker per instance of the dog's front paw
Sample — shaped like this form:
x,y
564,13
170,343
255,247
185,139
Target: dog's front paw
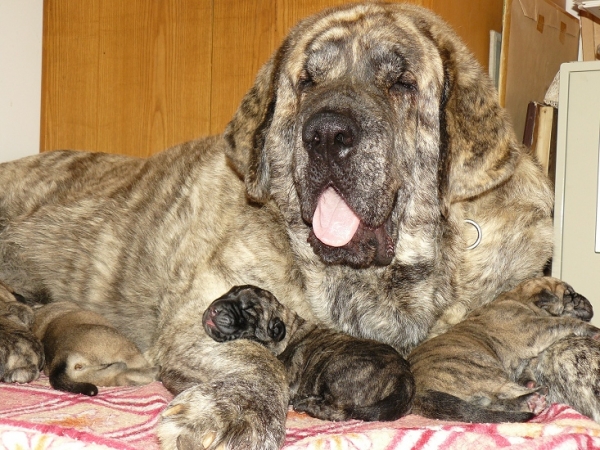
x,y
218,416
21,354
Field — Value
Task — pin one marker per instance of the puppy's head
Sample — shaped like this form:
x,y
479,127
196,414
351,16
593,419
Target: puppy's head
x,y
556,297
245,312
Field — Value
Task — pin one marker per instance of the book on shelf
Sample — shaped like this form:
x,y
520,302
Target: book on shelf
x,y
540,135
590,36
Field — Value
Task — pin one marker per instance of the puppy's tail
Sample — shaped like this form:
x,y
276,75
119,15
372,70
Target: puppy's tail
x,y
59,380
443,406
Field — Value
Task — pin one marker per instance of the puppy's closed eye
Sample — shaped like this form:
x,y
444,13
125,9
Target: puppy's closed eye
x,y
276,329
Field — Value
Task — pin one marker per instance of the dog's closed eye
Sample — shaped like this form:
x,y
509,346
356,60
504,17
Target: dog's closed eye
x,y
276,329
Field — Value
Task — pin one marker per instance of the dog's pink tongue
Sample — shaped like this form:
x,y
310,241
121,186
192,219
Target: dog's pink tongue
x,y
334,223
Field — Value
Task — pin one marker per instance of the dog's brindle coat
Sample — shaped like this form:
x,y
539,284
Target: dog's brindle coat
x,y
332,376
571,370
21,354
376,108
482,362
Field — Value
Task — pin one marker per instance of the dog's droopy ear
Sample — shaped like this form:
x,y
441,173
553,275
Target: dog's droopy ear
x,y
245,134
479,147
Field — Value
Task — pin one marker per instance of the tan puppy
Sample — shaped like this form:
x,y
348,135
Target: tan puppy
x,y
83,350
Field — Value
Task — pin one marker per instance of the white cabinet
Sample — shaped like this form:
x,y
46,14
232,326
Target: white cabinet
x,y
577,205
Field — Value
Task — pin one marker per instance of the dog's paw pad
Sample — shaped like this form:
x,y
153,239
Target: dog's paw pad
x,y
21,375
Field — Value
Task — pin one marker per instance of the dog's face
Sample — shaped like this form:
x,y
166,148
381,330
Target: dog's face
x,y
245,312
365,126
355,164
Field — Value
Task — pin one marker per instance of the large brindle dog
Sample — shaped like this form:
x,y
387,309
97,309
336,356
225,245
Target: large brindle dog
x,y
342,185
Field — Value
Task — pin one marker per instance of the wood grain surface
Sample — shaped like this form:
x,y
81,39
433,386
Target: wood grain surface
x,y
138,76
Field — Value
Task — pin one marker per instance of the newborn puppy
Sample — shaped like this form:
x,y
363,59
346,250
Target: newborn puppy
x,y
332,376
499,364
83,350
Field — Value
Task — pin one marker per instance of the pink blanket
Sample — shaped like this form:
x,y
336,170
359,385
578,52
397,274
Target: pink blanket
x,y
34,416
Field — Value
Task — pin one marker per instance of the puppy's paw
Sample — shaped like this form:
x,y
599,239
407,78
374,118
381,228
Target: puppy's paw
x,y
316,407
213,417
589,331
537,401
21,354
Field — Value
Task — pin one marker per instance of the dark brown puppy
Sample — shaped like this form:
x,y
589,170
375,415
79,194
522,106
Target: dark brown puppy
x,y
332,376
571,369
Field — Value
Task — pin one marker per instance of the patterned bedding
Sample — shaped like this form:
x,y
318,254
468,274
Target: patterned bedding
x,y
36,417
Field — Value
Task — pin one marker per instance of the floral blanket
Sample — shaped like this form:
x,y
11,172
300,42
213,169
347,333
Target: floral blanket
x,y
36,417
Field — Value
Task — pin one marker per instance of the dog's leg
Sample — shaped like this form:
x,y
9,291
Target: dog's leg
x,y
231,395
21,353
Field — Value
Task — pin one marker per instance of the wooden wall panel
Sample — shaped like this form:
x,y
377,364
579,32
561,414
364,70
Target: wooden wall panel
x,y
125,77
70,75
138,76
243,40
473,22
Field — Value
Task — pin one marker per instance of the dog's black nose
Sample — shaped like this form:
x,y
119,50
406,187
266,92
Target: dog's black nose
x,y
329,134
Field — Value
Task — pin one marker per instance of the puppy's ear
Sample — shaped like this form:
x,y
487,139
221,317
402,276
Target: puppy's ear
x,y
276,329
245,134
479,149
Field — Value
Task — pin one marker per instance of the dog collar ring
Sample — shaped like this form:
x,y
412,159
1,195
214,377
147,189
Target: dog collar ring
x,y
479,234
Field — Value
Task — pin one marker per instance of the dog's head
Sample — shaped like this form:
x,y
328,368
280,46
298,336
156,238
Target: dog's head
x,y
245,312
552,296
366,124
